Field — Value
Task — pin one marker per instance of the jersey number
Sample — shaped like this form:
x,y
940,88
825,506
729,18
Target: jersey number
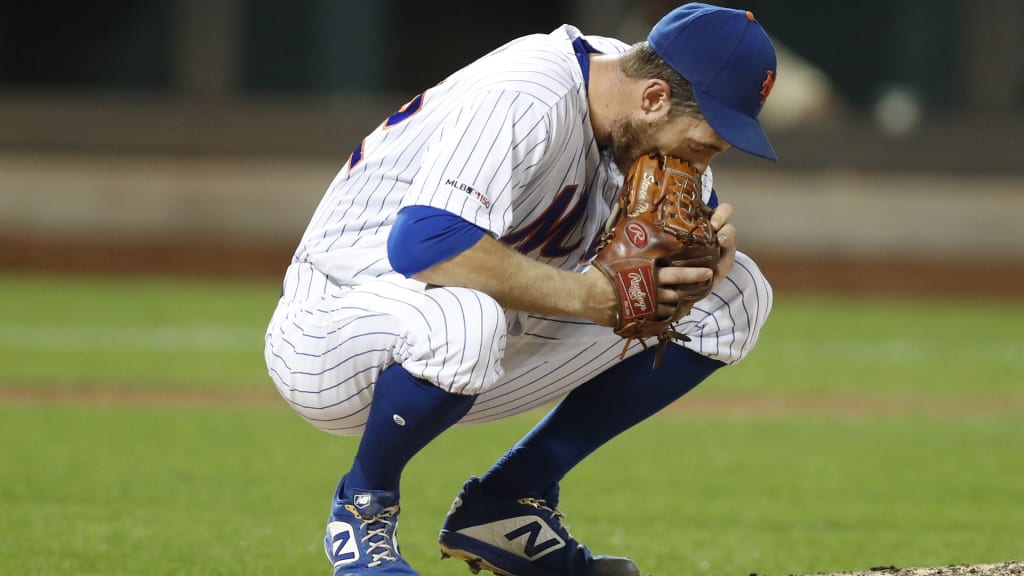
x,y
404,113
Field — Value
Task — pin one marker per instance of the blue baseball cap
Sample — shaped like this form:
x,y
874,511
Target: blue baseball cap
x,y
730,61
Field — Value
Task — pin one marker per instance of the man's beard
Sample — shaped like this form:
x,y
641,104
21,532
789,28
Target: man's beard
x,y
630,139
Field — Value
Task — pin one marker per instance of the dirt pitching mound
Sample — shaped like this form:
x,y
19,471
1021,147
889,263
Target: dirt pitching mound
x,y
1000,569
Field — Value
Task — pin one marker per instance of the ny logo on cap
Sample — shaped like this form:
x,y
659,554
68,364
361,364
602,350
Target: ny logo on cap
x,y
767,85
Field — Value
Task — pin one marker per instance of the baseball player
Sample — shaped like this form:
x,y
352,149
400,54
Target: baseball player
x,y
445,278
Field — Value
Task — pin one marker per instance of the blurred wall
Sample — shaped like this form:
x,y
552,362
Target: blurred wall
x,y
899,124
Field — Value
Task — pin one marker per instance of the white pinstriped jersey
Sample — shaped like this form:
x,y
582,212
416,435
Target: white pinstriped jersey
x,y
506,143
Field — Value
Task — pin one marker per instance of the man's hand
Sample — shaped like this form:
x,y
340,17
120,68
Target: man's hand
x,y
674,276
606,309
726,239
670,279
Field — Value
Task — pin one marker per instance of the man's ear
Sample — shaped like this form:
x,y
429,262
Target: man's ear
x,y
656,98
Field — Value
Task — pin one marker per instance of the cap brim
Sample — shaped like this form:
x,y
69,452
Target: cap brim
x,y
739,130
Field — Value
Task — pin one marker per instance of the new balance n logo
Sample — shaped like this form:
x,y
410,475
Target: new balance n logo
x,y
540,539
528,536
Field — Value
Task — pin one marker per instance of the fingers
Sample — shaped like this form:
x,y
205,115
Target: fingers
x,y
727,237
727,243
666,311
679,284
675,275
721,216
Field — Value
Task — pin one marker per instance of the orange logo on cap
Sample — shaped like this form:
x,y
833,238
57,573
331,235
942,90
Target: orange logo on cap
x,y
767,85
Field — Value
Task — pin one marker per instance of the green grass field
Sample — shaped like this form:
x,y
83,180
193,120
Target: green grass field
x,y
899,443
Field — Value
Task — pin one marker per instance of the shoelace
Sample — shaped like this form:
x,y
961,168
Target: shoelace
x,y
378,526
555,513
543,505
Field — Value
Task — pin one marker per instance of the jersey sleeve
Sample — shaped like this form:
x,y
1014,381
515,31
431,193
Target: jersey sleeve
x,y
423,236
483,158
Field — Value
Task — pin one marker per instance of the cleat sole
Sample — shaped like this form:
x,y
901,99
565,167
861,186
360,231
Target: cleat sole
x,y
475,563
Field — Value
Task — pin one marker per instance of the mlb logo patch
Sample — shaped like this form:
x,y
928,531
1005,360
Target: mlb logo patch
x,y
361,500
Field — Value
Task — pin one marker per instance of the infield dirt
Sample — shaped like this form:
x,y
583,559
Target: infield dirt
x,y
218,258
1000,569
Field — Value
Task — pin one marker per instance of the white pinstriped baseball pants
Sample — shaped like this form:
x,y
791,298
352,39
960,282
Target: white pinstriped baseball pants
x,y
326,345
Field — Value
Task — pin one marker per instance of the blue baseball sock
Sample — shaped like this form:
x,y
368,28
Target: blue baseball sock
x,y
406,414
593,414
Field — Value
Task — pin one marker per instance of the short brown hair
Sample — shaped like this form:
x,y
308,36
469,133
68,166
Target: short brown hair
x,y
642,62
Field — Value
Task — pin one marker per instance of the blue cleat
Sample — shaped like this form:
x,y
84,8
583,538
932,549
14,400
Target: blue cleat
x,y
360,538
524,537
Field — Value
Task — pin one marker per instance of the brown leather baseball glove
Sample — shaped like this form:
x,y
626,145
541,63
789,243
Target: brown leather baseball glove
x,y
659,220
